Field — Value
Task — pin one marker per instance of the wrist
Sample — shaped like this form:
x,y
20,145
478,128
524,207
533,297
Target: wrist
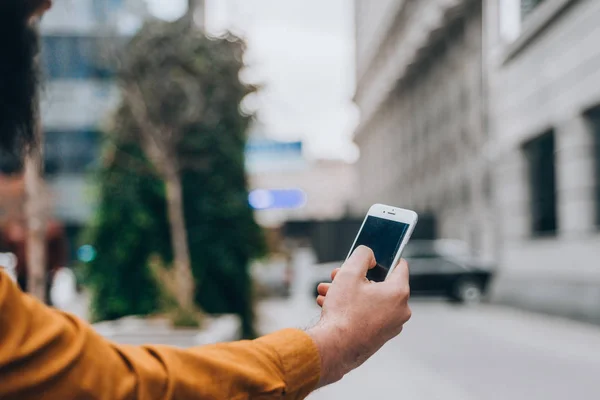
x,y
329,341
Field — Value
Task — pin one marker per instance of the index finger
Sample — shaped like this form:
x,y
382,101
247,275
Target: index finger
x,y
400,276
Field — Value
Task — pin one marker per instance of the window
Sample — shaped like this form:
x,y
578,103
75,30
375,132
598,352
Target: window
x,y
488,187
512,14
542,184
465,194
77,57
527,7
509,19
594,117
71,152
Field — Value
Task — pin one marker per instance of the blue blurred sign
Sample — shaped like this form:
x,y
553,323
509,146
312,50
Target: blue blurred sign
x,y
266,146
265,199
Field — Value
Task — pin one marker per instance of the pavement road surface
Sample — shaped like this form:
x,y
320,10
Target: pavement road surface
x,y
465,353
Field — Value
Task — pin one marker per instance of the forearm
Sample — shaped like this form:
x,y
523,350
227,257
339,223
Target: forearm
x,y
284,365
50,353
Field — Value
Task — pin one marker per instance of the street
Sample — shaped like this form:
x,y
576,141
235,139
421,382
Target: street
x,y
451,352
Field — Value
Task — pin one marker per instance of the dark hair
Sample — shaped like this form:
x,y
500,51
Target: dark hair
x,y
19,45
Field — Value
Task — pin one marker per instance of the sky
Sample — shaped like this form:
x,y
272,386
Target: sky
x,y
302,53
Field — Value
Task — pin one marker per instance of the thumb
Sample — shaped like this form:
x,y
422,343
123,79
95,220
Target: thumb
x,y
359,263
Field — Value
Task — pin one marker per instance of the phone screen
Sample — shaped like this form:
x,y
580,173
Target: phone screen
x,y
384,237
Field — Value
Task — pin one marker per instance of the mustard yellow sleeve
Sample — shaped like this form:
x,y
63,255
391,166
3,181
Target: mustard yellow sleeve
x,y
46,354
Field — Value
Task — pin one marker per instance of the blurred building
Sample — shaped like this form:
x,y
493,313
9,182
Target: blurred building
x,y
79,41
544,58
420,90
285,186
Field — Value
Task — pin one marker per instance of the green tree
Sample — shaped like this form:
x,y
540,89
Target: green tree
x,y
127,229
179,119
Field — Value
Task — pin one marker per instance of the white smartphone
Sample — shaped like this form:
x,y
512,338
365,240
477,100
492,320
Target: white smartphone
x,y
386,230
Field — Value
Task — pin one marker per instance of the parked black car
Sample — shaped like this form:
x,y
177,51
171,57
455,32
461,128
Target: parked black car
x,y
440,268
445,268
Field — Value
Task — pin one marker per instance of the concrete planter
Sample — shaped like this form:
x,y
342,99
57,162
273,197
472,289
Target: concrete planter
x,y
138,330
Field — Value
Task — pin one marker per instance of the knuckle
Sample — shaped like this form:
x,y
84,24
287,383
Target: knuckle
x,y
345,266
403,292
349,274
408,313
344,272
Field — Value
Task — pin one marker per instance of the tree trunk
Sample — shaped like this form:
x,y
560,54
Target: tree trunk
x,y
179,240
196,14
36,206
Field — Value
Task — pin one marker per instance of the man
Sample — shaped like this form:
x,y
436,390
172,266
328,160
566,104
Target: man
x,y
45,354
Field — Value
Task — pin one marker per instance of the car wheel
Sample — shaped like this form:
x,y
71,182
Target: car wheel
x,y
469,292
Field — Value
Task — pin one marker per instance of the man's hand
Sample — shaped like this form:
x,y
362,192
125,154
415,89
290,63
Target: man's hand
x,y
358,316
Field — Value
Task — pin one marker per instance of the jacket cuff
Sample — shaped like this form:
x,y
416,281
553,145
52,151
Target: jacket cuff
x,y
300,360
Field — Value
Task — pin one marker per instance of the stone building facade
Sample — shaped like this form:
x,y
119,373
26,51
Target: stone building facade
x,y
423,135
78,41
544,62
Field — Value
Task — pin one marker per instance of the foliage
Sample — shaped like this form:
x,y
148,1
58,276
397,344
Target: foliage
x,y
131,225
130,210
